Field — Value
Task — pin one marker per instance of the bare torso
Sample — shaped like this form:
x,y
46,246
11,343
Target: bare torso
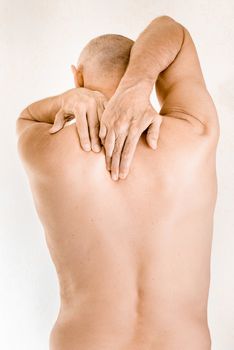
x,y
132,256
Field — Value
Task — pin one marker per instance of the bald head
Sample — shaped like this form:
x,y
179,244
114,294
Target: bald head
x,y
104,60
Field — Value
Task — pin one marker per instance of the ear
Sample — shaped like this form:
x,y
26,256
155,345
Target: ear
x,y
78,75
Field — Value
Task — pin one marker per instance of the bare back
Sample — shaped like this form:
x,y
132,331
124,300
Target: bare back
x,y
132,256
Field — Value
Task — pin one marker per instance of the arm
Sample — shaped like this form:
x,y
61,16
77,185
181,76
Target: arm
x,y
32,129
35,121
170,59
163,51
182,92
153,51
43,111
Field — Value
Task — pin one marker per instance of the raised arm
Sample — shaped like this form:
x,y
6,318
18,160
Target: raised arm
x,y
153,51
164,52
43,111
182,91
82,104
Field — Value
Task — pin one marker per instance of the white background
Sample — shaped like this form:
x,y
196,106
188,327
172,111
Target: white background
x,y
38,42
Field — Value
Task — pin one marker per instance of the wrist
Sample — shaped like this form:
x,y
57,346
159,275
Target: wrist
x,y
144,83
54,105
57,101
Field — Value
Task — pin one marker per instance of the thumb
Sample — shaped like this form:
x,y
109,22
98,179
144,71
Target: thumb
x,y
59,122
103,131
153,132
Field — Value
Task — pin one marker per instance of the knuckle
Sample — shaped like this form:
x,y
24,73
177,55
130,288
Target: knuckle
x,y
120,123
125,157
94,130
114,166
116,151
108,147
132,138
121,129
127,148
134,130
80,122
94,137
84,140
80,107
92,102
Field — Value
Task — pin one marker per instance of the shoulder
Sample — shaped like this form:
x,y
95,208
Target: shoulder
x,y
43,153
188,139
193,105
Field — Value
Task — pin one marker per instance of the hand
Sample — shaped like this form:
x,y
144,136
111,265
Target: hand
x,y
86,106
127,114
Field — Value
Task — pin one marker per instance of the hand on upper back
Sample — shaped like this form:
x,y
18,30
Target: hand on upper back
x,y
127,115
86,107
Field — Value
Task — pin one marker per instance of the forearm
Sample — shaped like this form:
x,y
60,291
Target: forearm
x,y
43,110
154,50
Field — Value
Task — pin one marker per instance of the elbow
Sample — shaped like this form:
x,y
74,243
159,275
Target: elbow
x,y
25,114
175,27
22,122
167,20
164,18
17,127
19,121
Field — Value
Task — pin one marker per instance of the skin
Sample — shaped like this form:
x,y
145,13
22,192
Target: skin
x,y
132,256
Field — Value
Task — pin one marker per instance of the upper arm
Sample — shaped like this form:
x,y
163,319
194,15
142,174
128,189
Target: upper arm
x,y
33,140
182,91
44,154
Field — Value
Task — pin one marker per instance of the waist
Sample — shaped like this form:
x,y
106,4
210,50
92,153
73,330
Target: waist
x,y
127,322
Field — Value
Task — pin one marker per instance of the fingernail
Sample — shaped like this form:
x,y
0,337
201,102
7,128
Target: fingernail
x,y
122,175
87,147
154,144
114,177
108,163
96,148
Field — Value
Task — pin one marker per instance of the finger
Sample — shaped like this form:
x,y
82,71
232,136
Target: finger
x,y
153,132
115,161
109,147
94,129
82,128
59,122
100,110
74,72
128,152
102,132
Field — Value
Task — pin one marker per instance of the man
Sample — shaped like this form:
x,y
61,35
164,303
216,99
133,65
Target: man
x,y
133,255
